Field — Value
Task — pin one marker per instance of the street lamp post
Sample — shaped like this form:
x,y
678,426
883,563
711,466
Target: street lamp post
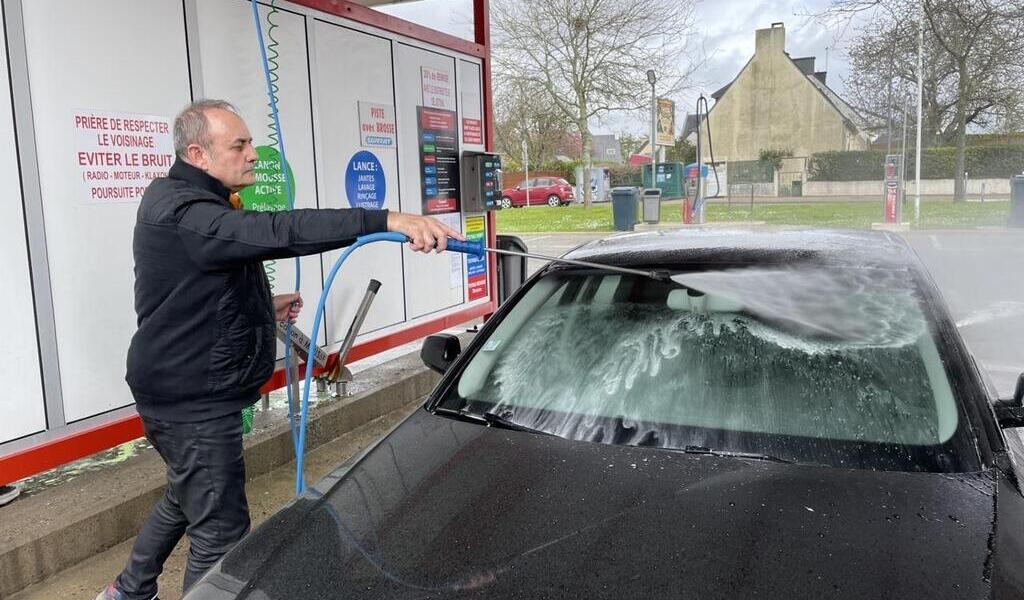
x,y
652,78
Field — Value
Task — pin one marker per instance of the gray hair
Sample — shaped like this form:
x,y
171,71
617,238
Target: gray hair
x,y
192,127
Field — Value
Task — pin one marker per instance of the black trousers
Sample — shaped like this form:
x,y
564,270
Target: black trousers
x,y
205,500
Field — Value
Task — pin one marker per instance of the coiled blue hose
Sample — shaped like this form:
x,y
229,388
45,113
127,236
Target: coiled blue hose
x,y
277,136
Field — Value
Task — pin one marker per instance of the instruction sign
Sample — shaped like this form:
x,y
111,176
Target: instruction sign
x,y
365,185
269,193
119,154
438,88
476,266
472,131
439,160
376,125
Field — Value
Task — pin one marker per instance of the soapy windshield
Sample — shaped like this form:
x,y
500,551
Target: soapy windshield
x,y
814,365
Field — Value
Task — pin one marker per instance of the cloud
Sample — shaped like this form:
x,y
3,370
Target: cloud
x,y
725,29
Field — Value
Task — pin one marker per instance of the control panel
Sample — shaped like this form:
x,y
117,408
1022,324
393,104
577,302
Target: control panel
x,y
481,181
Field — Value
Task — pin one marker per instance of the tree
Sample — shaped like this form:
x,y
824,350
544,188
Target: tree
x,y
683,151
521,114
973,66
629,144
590,56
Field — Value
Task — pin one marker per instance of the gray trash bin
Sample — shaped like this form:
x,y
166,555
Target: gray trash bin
x,y
1016,201
652,205
624,208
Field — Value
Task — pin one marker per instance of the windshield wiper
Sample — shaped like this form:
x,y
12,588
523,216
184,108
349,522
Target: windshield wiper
x,y
728,454
489,419
502,421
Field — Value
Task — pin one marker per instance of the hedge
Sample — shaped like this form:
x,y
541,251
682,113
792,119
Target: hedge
x,y
992,162
751,171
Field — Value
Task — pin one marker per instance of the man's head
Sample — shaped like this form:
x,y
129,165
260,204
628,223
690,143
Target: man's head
x,y
211,136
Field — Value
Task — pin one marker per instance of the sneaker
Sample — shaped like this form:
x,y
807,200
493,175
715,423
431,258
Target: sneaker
x,y
8,493
112,593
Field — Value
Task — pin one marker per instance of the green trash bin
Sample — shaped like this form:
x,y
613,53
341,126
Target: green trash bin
x,y
670,179
624,205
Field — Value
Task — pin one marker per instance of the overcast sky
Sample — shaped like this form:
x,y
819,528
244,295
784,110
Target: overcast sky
x,y
725,27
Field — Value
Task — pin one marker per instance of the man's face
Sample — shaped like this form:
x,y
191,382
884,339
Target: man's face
x,y
230,156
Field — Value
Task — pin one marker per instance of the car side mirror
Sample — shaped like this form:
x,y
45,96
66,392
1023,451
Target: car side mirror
x,y
1010,413
440,351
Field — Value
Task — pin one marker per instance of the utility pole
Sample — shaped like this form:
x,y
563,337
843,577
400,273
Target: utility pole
x,y
920,84
652,78
903,160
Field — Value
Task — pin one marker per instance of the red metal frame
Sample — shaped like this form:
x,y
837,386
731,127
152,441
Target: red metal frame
x,y
375,18
47,455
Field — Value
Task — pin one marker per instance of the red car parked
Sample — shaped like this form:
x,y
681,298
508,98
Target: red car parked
x,y
552,191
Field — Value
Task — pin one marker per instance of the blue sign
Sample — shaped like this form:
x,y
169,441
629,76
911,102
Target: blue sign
x,y
365,185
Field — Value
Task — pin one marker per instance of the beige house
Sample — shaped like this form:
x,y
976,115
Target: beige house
x,y
780,103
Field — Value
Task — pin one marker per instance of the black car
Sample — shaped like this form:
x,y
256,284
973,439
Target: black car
x,y
769,415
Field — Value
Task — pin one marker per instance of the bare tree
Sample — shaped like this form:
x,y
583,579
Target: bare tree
x,y
521,113
590,56
973,65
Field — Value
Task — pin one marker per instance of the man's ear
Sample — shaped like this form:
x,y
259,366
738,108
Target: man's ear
x,y
197,156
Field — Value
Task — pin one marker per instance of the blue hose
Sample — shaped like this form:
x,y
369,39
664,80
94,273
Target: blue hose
x,y
300,446
474,248
270,76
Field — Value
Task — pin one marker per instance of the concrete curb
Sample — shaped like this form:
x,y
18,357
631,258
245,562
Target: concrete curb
x,y
46,533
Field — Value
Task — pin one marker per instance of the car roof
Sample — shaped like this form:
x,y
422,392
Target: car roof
x,y
711,245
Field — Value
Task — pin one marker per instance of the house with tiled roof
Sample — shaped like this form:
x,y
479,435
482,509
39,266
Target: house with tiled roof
x,y
780,103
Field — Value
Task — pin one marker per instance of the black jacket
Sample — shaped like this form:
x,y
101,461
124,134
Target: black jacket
x,y
206,340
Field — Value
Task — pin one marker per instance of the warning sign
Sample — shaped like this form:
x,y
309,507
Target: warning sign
x,y
118,154
438,89
472,131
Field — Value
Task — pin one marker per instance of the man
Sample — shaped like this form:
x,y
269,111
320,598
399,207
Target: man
x,y
206,336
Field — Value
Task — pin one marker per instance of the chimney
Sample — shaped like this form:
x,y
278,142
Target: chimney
x,y
772,39
821,75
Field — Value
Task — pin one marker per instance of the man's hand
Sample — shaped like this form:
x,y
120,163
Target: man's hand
x,y
424,233
287,307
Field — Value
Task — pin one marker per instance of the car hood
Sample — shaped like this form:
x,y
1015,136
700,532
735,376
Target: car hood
x,y
446,509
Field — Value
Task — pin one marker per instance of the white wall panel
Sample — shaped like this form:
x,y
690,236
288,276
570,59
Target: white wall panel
x,y
431,286
353,67
119,56
21,404
232,70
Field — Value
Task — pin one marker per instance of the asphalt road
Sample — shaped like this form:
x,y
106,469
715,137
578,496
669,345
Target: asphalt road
x,y
980,274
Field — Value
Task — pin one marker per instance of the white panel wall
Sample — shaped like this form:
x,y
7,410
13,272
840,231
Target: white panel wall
x,y
427,277
471,106
138,66
471,99
21,404
353,67
232,70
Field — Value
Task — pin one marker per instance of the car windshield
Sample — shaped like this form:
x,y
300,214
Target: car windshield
x,y
836,367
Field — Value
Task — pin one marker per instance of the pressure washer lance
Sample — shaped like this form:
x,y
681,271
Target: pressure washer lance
x,y
478,249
